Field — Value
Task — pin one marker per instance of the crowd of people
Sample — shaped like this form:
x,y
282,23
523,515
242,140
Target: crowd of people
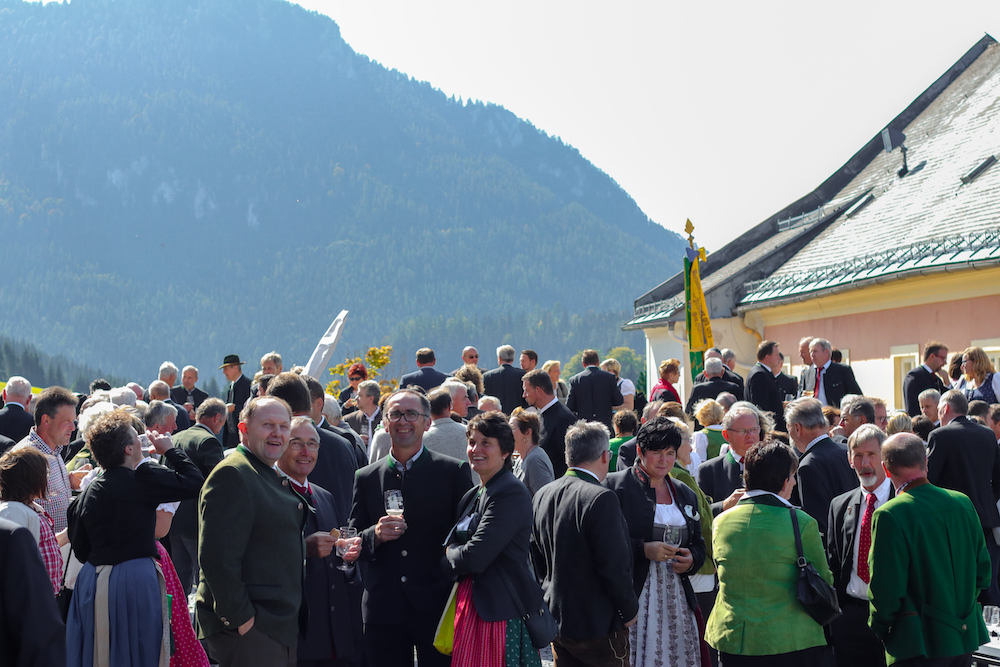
x,y
473,517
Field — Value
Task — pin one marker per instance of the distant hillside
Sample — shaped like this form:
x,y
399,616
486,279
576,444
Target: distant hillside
x,y
43,370
182,179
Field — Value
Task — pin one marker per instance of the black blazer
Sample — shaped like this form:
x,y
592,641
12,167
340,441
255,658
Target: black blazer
x,y
426,377
498,547
581,555
638,501
505,384
179,395
824,473
592,394
711,388
555,422
727,375
846,511
6,443
335,466
15,422
915,382
406,573
838,381
718,478
205,451
333,596
764,392
31,630
787,384
359,422
238,395
963,456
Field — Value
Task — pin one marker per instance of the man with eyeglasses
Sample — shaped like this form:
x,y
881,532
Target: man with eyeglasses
x,y
333,595
925,376
405,586
470,357
721,478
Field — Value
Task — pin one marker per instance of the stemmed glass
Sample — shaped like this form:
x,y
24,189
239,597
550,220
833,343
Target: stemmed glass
x,y
991,615
672,536
348,538
394,502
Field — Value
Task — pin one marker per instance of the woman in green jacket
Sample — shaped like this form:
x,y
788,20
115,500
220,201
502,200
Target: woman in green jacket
x,y
757,618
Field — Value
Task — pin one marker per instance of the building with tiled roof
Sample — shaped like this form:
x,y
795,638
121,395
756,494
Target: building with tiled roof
x,y
880,258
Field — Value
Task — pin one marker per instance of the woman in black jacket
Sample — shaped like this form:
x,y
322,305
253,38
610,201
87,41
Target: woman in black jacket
x,y
488,551
667,546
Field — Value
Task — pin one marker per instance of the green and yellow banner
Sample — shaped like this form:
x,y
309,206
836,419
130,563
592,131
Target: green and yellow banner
x,y
698,325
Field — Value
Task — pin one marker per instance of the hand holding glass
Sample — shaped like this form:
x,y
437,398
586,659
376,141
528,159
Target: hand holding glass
x,y
348,538
394,502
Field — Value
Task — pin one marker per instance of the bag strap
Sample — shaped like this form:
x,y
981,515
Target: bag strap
x,y
798,539
513,593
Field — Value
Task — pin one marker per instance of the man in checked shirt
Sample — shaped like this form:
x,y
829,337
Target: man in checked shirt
x,y
55,419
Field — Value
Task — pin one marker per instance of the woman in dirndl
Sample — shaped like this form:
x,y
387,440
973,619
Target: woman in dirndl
x,y
118,615
488,552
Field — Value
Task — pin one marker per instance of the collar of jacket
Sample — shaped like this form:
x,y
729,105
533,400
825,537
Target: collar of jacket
x,y
421,457
585,478
762,500
913,484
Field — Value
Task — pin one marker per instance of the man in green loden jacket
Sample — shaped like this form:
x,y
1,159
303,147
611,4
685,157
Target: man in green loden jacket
x,y
928,563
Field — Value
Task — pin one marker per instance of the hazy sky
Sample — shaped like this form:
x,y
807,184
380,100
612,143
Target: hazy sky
x,y
721,112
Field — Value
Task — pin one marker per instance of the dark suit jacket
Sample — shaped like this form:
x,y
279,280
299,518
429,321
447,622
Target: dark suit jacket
x,y
497,548
406,573
710,389
505,384
335,466
31,630
15,422
348,434
239,394
787,384
426,377
333,596
205,451
727,375
579,522
555,422
6,443
915,382
838,381
359,422
592,394
718,478
963,456
824,473
846,511
179,395
764,392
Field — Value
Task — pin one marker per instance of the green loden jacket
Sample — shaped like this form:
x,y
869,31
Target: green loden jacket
x,y
251,550
928,563
705,509
757,611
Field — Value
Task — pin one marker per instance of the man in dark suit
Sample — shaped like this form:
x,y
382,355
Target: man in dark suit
x,y
202,446
337,460
721,478
250,547
925,376
556,417
762,385
824,467
405,587
186,393
15,420
713,385
425,376
848,544
727,373
788,385
367,417
504,382
593,392
318,398
332,595
835,380
577,521
160,391
31,631
963,455
237,394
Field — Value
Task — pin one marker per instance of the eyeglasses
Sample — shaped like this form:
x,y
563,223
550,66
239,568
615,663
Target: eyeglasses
x,y
409,415
744,432
356,378
298,443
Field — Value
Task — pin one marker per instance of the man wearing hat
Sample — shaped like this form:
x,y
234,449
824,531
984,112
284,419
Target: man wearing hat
x,y
237,394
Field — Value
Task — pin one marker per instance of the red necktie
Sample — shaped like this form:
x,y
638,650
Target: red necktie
x,y
819,371
865,545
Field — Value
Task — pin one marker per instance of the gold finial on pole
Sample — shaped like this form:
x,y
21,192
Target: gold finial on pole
x,y
689,230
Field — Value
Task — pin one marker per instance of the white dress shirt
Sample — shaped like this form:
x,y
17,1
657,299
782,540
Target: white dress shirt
x,y
856,587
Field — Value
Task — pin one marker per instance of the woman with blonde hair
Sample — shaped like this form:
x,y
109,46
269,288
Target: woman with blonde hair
x,y
625,386
899,422
980,381
552,367
709,439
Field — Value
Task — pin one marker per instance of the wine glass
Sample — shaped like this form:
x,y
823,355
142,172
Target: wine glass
x,y
348,536
991,615
672,536
394,502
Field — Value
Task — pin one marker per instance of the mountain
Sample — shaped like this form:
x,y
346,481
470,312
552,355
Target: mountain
x,y
43,370
184,179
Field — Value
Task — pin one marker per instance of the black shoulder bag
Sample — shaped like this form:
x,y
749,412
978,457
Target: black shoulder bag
x,y
817,597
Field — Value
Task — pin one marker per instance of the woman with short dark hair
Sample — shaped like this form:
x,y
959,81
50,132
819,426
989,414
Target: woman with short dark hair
x,y
533,466
488,552
757,619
